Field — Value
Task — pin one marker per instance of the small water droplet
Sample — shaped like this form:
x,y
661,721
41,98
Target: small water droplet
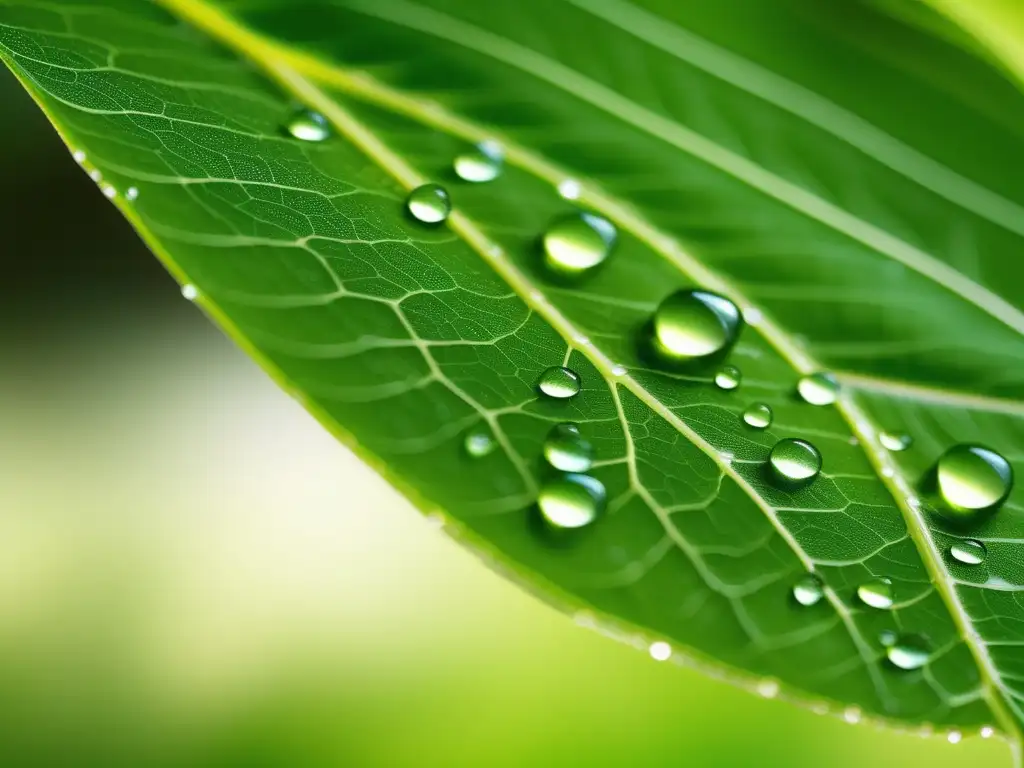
x,y
582,340
618,370
109,191
478,442
752,315
728,377
908,652
565,450
577,243
968,551
660,651
132,193
888,471
852,715
758,416
694,325
96,174
482,163
954,737
569,189
895,441
429,203
987,732
571,501
808,590
768,688
876,594
559,382
887,637
79,156
307,125
794,463
971,480
190,292
818,388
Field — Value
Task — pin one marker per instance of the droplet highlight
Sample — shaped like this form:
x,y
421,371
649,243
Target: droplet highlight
x,y
660,651
809,590
908,652
758,416
566,450
559,382
876,594
478,443
131,194
692,325
971,480
895,441
577,243
728,377
189,292
968,551
429,203
482,163
307,125
794,463
818,388
571,501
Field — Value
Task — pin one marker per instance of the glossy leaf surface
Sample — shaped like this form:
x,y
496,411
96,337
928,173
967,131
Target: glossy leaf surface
x,y
841,174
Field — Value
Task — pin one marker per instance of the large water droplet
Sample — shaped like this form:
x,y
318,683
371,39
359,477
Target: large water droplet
x,y
566,450
809,590
578,242
429,203
309,126
571,501
968,551
908,652
895,441
876,594
559,382
482,163
694,325
758,416
478,442
971,480
728,377
818,388
794,463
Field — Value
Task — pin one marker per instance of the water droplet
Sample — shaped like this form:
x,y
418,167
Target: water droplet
x,y
895,441
307,125
429,203
618,370
752,315
132,193
852,715
887,637
794,463
571,501
808,590
482,163
569,189
818,388
954,737
908,652
559,382
660,651
96,174
987,732
566,450
876,594
968,551
768,688
971,480
109,192
578,242
758,416
728,377
190,292
478,442
79,156
695,324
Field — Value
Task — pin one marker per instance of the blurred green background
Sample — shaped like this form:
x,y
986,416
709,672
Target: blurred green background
x,y
192,573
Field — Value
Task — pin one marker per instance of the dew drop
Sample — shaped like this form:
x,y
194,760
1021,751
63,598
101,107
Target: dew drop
x,y
569,189
694,325
818,388
618,370
908,652
307,125
808,590
987,732
132,193
190,292
794,463
478,442
876,594
109,191
758,416
895,441
559,382
728,377
660,651
565,450
577,243
971,480
482,163
96,174
768,688
887,637
429,203
79,156
571,501
968,551
954,737
852,715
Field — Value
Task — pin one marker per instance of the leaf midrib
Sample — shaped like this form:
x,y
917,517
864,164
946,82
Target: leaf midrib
x,y
276,61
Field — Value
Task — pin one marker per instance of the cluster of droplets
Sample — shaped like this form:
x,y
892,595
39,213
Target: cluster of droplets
x,y
109,190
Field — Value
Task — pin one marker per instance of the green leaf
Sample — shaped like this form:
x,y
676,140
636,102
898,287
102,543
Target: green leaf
x,y
846,177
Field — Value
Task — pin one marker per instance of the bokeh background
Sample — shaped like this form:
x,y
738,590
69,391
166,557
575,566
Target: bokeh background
x,y
193,573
